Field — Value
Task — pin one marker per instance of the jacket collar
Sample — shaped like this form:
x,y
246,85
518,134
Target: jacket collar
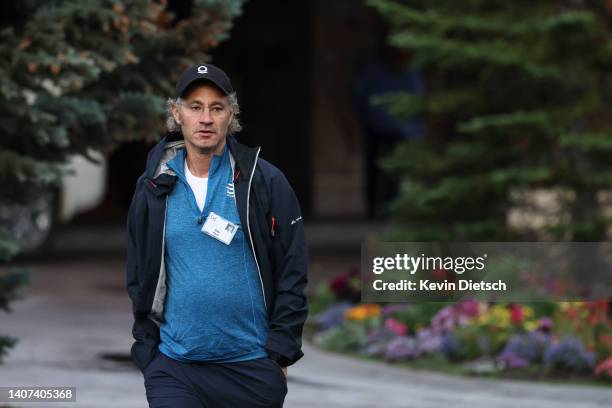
x,y
167,148
244,157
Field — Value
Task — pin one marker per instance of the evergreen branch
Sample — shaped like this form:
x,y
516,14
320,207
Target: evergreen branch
x,y
416,159
402,15
580,20
442,102
450,20
401,105
539,120
8,246
405,105
26,169
135,116
421,160
457,52
10,282
517,176
601,179
6,342
587,142
580,231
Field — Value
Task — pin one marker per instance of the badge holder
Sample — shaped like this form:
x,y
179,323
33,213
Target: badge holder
x,y
219,228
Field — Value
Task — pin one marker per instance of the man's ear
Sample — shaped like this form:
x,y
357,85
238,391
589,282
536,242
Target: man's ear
x,y
176,114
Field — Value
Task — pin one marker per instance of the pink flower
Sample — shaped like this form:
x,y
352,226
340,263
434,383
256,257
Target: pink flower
x,y
469,307
516,314
396,326
439,274
604,368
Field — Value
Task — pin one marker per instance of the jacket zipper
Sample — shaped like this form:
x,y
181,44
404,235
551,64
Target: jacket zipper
x,y
249,228
163,250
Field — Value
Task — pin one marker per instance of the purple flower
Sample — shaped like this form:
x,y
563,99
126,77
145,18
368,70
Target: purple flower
x,y
545,324
569,354
524,349
380,334
388,310
512,361
444,320
428,341
449,345
454,315
333,316
401,348
377,341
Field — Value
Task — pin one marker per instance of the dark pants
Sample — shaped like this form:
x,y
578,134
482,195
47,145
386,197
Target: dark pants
x,y
173,384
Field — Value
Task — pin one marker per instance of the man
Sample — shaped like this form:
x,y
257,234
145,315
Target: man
x,y
217,260
391,71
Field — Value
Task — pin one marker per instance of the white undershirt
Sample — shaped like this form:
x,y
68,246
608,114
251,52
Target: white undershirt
x,y
199,186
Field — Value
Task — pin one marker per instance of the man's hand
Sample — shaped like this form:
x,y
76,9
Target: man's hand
x,y
284,371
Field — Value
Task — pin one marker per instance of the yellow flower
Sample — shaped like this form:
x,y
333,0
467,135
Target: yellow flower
x,y
531,325
361,312
565,306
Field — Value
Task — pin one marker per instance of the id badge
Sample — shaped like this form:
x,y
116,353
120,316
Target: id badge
x,y
219,228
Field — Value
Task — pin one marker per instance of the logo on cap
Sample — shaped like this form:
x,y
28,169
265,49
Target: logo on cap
x,y
202,69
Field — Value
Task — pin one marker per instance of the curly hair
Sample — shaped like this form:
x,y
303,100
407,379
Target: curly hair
x,y
234,126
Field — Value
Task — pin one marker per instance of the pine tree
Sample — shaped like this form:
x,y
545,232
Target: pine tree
x,y
10,282
78,77
519,99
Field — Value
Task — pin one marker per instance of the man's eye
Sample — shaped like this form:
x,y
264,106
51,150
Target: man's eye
x,y
217,109
195,108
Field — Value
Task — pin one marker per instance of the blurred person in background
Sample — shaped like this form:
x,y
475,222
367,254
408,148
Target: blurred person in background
x,y
390,71
217,259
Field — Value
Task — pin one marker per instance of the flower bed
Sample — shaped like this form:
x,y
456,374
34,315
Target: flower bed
x,y
543,340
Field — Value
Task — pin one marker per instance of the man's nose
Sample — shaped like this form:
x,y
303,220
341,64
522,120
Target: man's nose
x,y
206,117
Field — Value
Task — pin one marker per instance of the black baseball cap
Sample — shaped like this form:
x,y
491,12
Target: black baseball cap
x,y
206,72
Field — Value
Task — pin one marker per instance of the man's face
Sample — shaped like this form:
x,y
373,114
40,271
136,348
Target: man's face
x,y
204,114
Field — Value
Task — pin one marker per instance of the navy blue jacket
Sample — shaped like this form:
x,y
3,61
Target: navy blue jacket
x,y
266,205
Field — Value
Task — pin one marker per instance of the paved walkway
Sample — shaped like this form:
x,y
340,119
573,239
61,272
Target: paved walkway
x,y
76,311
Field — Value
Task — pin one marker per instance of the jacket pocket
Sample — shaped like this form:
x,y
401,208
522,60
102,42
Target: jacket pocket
x,y
143,353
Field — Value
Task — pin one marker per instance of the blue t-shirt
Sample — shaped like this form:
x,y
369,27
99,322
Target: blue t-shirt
x,y
214,307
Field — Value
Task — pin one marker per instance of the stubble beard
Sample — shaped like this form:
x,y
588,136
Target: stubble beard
x,y
204,150
208,150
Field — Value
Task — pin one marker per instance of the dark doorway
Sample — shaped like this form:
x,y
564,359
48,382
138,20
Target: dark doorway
x,y
268,57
